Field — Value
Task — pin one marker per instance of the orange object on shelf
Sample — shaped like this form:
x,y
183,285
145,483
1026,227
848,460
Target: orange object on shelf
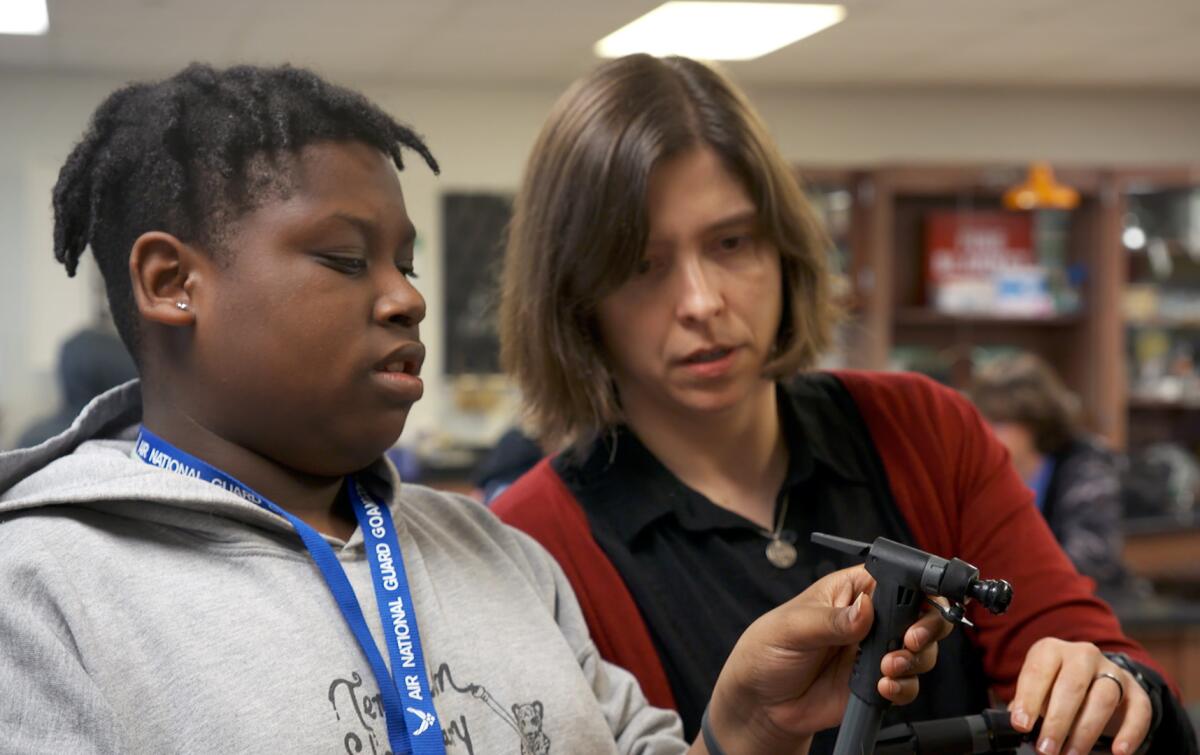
x,y
1041,191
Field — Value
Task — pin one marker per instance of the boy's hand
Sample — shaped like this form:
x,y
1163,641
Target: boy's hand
x,y
789,674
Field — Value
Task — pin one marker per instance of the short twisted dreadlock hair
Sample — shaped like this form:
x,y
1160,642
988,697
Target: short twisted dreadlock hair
x,y
191,154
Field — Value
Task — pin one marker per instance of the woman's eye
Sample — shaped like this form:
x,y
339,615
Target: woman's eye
x,y
648,265
734,243
407,270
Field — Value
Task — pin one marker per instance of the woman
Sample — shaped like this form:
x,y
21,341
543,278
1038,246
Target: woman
x,y
664,282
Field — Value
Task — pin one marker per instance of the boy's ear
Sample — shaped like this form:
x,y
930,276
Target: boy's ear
x,y
164,272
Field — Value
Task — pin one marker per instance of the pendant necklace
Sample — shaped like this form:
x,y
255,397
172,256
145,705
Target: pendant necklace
x,y
781,551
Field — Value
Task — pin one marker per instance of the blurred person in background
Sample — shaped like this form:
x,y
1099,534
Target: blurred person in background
x,y
1075,479
89,363
514,454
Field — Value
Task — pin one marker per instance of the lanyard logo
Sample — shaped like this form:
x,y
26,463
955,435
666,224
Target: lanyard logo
x,y
427,720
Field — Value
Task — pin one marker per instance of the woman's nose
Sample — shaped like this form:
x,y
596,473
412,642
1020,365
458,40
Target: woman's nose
x,y
700,293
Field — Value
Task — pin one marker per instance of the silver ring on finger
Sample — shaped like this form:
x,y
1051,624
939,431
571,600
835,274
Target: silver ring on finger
x,y
1116,680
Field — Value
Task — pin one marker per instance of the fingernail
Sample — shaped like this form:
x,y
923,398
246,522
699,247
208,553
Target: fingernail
x,y
920,636
1072,751
1047,746
856,608
1121,748
1019,717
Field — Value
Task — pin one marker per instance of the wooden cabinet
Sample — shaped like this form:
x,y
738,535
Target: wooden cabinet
x,y
1167,552
1158,211
891,207
1088,345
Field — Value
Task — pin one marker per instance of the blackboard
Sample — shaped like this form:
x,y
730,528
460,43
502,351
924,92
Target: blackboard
x,y
473,232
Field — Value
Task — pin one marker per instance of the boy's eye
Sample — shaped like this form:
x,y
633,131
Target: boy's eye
x,y
344,263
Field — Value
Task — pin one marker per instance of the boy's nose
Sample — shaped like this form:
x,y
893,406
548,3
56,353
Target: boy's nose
x,y
400,303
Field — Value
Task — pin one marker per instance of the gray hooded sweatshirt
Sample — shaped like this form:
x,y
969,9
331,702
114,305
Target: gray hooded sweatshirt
x,y
144,611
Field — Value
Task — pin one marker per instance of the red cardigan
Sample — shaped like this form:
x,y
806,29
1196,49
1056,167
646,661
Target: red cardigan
x,y
956,490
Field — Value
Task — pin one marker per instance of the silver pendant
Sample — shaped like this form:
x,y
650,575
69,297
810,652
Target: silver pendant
x,y
781,553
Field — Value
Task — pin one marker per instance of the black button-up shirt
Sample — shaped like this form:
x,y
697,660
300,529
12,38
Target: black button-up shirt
x,y
698,572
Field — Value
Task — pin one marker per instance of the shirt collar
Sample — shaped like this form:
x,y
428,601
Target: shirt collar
x,y
628,488
803,404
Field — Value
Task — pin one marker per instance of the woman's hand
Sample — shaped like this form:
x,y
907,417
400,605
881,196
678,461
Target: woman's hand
x,y
1065,684
789,674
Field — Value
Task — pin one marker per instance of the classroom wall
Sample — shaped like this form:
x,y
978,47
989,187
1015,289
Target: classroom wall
x,y
481,135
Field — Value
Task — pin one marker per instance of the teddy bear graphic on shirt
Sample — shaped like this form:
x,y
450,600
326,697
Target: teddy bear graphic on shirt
x,y
529,724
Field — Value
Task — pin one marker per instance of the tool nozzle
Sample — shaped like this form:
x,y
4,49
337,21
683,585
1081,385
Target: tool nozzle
x,y
994,594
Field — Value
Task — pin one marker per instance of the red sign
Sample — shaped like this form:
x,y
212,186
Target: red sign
x,y
963,246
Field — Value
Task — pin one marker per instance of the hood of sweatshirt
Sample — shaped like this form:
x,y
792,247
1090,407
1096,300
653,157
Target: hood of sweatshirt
x,y
91,464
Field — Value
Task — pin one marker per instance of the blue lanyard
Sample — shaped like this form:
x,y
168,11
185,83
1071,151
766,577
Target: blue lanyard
x,y
420,734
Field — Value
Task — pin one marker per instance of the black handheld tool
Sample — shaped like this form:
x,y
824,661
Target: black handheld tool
x,y
903,577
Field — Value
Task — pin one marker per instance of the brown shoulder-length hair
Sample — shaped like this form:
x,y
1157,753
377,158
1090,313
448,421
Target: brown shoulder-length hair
x,y
1024,389
580,225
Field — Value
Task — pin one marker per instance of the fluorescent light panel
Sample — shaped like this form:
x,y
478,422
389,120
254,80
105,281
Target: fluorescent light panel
x,y
23,17
719,31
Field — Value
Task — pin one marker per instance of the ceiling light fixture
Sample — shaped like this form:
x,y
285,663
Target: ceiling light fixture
x,y
23,17
719,31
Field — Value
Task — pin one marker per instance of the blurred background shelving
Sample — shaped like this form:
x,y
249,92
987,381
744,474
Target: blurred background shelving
x,y
895,323
1120,322
1157,215
1113,300
1160,227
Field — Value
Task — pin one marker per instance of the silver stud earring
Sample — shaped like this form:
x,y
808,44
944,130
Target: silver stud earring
x,y
182,305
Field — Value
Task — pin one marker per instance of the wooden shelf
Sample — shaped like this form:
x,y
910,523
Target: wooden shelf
x,y
1166,323
924,317
1155,551
1151,179
979,180
1163,405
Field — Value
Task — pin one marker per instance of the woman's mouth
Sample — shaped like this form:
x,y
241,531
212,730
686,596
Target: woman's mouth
x,y
711,363
707,355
